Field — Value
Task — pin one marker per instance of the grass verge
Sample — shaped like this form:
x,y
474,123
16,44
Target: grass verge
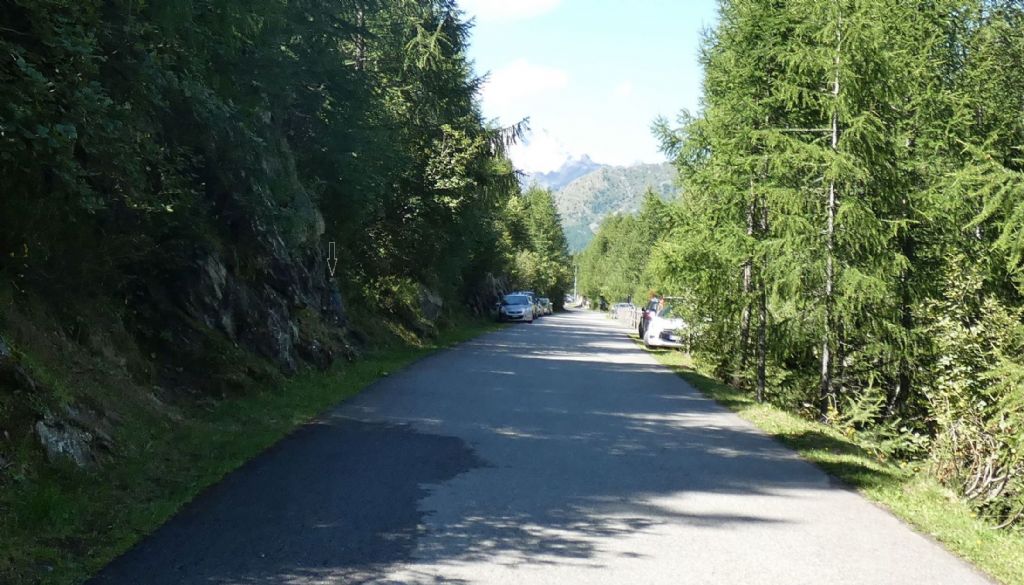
x,y
64,525
904,489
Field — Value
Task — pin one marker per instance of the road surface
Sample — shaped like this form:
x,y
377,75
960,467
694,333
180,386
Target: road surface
x,y
556,453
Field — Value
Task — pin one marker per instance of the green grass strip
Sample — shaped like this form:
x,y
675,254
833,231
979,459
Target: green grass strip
x,y
904,489
64,525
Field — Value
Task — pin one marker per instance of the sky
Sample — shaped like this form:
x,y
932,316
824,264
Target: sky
x,y
591,75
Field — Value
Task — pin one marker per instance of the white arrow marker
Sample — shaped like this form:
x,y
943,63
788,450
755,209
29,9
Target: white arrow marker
x,y
332,257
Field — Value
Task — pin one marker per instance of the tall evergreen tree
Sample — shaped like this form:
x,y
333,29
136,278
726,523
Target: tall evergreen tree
x,y
884,160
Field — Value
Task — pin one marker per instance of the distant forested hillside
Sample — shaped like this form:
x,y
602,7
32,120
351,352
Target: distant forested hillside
x,y
583,203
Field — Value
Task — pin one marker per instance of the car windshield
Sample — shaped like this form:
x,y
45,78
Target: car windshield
x,y
515,300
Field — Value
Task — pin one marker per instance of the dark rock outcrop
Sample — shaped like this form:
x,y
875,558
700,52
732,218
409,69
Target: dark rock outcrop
x,y
488,292
77,434
431,304
63,440
262,314
12,374
265,287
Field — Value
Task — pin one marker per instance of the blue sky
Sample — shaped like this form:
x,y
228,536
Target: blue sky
x,y
590,74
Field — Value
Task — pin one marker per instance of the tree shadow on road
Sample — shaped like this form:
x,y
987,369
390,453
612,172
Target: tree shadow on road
x,y
421,472
337,497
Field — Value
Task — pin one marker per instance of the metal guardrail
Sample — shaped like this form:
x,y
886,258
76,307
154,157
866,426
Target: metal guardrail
x,y
635,314
631,315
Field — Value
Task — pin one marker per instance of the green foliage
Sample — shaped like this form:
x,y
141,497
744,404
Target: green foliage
x,y
129,127
976,393
855,176
613,265
139,136
535,230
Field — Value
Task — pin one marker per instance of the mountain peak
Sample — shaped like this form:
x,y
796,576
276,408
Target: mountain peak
x,y
571,169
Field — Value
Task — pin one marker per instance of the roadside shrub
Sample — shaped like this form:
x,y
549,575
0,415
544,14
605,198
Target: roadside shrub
x,y
864,416
977,399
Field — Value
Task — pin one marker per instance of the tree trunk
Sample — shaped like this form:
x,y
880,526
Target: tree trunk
x,y
905,377
762,336
748,268
762,301
360,64
827,387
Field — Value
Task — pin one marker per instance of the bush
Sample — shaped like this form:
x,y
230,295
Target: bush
x,y
977,399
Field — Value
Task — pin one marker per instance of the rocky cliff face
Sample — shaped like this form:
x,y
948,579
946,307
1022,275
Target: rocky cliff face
x,y
262,287
240,308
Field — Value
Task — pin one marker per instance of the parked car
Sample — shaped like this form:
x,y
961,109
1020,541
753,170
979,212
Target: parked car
x,y
648,312
664,330
533,301
516,307
546,307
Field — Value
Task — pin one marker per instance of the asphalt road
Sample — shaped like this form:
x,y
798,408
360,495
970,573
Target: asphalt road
x,y
557,453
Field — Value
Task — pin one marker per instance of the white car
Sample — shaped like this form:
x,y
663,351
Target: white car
x,y
665,331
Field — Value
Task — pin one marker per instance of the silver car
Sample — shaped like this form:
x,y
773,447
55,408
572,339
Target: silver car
x,y
516,307
545,306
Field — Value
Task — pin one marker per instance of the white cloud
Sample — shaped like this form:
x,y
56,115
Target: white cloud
x,y
506,10
623,90
508,86
540,152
